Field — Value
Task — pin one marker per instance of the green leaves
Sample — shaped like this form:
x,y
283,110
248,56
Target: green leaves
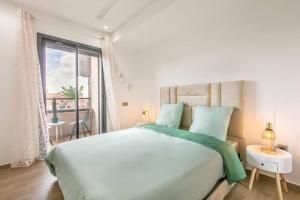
x,y
70,91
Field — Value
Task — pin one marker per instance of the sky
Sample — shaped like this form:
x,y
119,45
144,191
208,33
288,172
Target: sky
x,y
60,67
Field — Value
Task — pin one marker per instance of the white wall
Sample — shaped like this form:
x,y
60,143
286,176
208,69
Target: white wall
x,y
260,45
7,41
139,98
45,24
127,62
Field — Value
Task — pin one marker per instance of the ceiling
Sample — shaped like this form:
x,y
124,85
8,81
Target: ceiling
x,y
182,18
96,14
188,20
135,21
143,24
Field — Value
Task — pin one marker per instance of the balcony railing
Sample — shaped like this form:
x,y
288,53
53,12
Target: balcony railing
x,y
66,108
65,104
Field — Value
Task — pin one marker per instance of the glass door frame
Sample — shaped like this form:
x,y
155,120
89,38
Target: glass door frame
x,y
41,44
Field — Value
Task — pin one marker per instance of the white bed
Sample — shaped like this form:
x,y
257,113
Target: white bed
x,y
136,164
143,164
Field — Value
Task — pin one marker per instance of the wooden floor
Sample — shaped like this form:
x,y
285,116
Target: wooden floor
x,y
263,189
36,183
31,183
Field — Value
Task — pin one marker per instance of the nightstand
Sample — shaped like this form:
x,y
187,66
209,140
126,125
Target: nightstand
x,y
279,163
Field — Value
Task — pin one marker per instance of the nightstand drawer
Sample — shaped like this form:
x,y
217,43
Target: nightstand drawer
x,y
263,164
268,166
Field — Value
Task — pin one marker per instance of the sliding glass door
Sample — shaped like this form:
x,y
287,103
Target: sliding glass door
x,y
72,84
88,91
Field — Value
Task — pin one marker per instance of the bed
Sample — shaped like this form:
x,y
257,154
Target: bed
x,y
152,162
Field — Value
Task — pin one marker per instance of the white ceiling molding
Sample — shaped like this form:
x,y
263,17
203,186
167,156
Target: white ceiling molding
x,y
142,15
107,7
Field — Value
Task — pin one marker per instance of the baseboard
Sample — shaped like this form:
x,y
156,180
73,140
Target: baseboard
x,y
4,166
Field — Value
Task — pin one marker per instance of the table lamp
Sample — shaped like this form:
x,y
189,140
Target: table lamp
x,y
269,134
146,115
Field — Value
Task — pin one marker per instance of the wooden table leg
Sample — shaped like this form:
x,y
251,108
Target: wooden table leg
x,y
252,178
278,186
284,185
257,175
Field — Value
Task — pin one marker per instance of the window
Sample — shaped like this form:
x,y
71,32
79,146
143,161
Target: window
x,y
73,87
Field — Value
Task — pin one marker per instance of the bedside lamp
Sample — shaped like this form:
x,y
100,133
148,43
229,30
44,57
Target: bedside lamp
x,y
269,134
146,115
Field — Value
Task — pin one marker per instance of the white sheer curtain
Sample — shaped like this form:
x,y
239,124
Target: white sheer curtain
x,y
31,135
109,72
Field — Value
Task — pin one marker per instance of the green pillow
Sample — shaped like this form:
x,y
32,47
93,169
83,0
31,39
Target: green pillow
x,y
212,121
170,115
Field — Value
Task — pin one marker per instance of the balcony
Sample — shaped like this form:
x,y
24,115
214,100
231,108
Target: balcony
x,y
66,114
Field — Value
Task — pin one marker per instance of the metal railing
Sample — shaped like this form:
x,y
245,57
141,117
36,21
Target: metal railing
x,y
65,104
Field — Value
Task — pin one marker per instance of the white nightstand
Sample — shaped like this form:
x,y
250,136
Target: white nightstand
x,y
279,163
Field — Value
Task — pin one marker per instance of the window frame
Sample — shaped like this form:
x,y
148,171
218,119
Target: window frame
x,y
42,39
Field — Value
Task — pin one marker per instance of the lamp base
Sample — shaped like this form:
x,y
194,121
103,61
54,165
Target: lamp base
x,y
268,150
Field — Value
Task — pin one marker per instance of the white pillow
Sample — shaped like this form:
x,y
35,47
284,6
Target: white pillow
x,y
212,121
170,115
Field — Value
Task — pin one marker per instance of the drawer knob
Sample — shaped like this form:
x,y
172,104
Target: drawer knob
x,y
262,164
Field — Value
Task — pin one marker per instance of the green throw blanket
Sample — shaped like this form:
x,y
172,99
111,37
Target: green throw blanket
x,y
233,167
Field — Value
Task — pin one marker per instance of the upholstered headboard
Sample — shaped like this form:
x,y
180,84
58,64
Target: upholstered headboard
x,y
211,94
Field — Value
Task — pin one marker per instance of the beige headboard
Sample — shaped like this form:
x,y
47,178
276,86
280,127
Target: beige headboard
x,y
211,94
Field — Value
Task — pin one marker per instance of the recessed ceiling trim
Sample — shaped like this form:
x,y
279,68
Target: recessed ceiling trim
x,y
149,10
108,6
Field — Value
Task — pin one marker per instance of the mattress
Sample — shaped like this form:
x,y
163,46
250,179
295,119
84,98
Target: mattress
x,y
135,164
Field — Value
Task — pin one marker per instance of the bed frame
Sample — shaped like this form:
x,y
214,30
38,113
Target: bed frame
x,y
212,94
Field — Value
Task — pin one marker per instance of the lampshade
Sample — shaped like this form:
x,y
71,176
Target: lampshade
x,y
268,133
